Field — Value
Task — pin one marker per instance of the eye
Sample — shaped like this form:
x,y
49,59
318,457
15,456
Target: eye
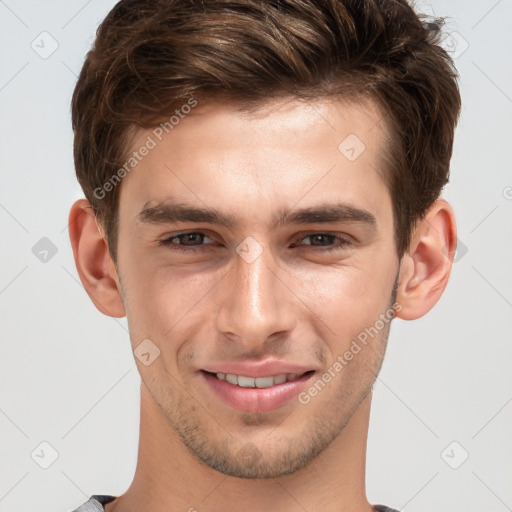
x,y
192,241
316,240
183,241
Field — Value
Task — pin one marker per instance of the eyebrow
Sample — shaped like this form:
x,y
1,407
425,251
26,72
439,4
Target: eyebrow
x,y
167,212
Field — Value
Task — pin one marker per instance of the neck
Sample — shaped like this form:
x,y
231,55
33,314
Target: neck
x,y
169,477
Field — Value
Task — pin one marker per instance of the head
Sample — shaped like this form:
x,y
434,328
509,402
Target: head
x,y
306,144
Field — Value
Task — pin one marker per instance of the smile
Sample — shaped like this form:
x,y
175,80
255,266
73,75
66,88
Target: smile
x,y
256,394
258,382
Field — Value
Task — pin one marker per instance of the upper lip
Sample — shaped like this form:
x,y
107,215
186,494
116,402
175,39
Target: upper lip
x,y
265,368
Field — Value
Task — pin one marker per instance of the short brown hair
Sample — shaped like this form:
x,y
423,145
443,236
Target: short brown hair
x,y
149,56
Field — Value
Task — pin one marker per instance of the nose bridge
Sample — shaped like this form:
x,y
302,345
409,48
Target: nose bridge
x,y
255,302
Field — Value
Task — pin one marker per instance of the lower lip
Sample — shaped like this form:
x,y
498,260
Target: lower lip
x,y
256,399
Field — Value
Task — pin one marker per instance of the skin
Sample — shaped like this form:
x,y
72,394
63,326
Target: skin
x,y
295,302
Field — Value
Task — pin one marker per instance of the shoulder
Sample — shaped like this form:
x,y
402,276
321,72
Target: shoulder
x,y
95,503
383,508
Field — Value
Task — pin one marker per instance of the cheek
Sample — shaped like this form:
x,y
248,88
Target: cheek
x,y
343,301
164,300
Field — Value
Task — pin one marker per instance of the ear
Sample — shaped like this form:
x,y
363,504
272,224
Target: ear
x,y
426,266
93,262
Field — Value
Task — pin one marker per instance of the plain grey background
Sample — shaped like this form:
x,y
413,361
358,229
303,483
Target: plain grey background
x,y
440,426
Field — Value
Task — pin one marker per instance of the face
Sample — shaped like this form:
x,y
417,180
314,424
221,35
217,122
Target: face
x,y
259,246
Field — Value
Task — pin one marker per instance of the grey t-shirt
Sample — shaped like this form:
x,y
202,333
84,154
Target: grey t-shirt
x,y
96,502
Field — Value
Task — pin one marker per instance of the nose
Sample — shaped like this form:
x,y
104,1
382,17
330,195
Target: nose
x,y
256,302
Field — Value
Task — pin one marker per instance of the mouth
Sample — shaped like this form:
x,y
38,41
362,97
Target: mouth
x,y
256,394
258,382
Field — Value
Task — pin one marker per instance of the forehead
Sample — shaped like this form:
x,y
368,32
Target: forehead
x,y
284,152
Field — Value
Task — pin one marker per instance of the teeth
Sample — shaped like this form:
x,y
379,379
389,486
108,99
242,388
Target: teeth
x,y
265,382
279,379
245,382
259,382
232,379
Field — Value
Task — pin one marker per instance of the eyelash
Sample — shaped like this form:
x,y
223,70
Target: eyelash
x,y
343,242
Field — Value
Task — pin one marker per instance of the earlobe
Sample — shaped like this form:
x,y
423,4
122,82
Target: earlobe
x,y
426,266
92,260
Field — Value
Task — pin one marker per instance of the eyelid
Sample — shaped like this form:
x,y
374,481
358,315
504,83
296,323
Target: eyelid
x,y
344,240
166,239
340,235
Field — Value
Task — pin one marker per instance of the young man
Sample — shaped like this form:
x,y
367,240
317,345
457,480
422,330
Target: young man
x,y
263,186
